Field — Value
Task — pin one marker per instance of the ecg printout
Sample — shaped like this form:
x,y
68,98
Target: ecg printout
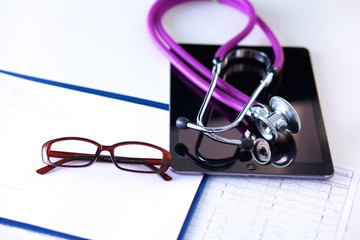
x,y
274,208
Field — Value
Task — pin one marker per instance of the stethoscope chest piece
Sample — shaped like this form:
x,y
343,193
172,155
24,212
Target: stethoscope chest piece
x,y
282,118
278,117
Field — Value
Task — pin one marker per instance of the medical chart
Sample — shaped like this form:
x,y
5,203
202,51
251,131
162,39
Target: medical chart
x,y
96,202
274,208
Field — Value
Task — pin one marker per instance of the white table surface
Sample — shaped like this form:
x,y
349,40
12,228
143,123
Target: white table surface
x,y
328,29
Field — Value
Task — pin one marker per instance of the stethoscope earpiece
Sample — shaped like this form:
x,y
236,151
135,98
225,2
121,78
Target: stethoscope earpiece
x,y
182,122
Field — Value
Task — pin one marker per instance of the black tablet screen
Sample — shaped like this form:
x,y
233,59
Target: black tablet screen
x,y
305,154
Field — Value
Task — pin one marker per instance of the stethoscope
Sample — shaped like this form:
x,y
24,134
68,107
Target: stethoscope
x,y
280,153
281,116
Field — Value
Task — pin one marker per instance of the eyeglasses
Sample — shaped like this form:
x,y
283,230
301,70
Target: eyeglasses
x,y
74,152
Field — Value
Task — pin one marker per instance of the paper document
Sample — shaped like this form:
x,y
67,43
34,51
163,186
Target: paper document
x,y
65,42
274,208
99,201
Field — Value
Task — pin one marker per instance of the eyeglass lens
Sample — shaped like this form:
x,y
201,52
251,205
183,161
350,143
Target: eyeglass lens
x,y
71,153
138,157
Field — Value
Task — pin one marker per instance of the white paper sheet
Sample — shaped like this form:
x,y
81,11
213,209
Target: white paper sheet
x,y
274,208
98,202
98,44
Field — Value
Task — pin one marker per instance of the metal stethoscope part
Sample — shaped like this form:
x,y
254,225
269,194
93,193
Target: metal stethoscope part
x,y
210,82
283,116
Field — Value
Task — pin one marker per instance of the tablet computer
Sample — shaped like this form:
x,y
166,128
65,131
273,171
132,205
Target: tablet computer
x,y
305,154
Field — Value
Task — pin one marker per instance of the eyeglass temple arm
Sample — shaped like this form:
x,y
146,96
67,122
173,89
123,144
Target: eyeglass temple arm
x,y
69,156
148,162
48,168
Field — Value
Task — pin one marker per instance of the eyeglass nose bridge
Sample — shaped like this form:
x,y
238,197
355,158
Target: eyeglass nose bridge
x,y
106,148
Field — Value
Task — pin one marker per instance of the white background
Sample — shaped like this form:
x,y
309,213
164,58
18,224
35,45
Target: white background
x,y
105,45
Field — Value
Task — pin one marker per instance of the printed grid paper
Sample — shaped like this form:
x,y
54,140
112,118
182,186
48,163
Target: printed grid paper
x,y
272,208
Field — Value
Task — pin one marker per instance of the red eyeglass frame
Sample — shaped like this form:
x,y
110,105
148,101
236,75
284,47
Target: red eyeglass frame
x,y
68,156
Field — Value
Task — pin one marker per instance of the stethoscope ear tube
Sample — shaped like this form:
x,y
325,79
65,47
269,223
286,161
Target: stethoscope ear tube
x,y
190,67
283,117
218,66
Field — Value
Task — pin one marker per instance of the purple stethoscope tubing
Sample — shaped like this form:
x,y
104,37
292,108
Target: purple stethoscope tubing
x,y
192,68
